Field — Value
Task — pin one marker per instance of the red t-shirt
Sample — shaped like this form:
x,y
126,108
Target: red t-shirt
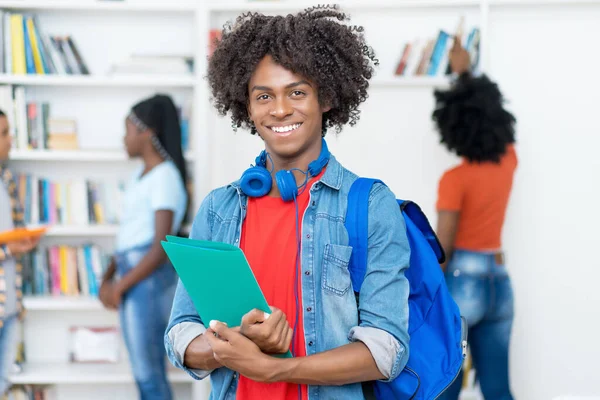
x,y
270,244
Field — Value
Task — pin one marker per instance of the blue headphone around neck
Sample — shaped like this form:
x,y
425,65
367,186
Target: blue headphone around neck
x,y
256,181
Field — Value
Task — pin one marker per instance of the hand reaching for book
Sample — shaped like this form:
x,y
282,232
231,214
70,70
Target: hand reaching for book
x,y
19,247
460,61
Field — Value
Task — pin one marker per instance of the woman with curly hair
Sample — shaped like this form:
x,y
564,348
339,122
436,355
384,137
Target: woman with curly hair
x,y
288,79
472,201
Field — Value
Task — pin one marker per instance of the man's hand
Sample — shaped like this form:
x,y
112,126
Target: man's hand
x,y
460,61
238,353
199,355
19,247
270,332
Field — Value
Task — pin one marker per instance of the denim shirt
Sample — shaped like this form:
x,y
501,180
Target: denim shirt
x,y
331,316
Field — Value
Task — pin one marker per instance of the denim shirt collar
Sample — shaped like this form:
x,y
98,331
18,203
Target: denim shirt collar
x,y
332,177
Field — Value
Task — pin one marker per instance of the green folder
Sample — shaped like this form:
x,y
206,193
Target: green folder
x,y
217,278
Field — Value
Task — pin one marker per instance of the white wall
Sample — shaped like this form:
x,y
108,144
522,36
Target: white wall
x,y
548,68
545,62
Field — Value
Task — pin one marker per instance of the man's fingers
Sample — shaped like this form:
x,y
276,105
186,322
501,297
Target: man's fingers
x,y
222,331
289,335
281,327
254,316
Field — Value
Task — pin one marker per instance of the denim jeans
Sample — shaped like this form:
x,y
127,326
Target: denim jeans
x,y
8,350
481,287
144,314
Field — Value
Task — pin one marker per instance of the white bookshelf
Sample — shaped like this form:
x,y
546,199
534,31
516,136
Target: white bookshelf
x,y
411,81
129,80
72,5
84,374
105,33
354,5
76,155
61,303
82,230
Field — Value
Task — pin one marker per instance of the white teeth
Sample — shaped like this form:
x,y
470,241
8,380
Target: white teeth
x,y
283,129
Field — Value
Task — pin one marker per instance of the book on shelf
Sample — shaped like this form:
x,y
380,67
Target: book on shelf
x,y
29,392
26,49
64,270
32,125
430,56
94,344
69,202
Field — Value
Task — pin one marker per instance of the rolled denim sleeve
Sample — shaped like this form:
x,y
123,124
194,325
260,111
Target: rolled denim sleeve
x,y
185,323
184,326
383,300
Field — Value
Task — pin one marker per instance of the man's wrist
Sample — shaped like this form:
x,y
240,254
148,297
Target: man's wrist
x,y
280,369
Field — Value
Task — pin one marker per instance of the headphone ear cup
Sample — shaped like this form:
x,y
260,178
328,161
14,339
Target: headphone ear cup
x,y
286,183
256,182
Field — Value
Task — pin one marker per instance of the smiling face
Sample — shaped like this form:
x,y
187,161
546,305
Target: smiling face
x,y
285,109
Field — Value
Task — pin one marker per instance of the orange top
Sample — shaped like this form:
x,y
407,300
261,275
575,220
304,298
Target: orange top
x,y
480,192
270,244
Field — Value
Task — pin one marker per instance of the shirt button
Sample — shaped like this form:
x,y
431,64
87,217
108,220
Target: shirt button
x,y
310,343
314,203
309,309
308,235
307,273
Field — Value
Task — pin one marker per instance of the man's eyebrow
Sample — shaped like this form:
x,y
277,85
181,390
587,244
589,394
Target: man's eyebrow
x,y
291,85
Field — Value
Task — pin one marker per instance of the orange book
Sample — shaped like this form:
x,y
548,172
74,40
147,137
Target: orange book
x,y
21,234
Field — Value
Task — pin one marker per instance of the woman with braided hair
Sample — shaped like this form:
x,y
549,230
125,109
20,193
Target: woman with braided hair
x,y
472,202
140,282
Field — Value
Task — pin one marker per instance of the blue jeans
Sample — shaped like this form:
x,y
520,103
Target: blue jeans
x,y
8,350
144,314
481,288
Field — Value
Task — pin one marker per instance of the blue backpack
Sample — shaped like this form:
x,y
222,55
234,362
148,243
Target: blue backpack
x,y
437,331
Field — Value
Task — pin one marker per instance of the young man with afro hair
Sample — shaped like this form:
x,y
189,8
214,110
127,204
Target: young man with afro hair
x,y
288,79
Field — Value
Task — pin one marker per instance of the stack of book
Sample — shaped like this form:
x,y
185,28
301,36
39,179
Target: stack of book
x,y
27,50
74,202
430,57
65,271
32,125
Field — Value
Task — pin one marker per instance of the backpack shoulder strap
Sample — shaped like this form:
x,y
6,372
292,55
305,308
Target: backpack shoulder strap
x,y
357,225
418,217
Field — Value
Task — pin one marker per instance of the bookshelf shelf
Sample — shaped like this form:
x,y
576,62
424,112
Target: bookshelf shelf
x,y
542,2
346,5
95,6
74,155
62,303
414,81
83,230
162,81
65,373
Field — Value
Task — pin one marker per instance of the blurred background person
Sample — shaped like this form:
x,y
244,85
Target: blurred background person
x,y
140,281
471,204
11,216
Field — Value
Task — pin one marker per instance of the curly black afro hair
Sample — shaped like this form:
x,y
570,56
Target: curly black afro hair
x,y
472,121
312,43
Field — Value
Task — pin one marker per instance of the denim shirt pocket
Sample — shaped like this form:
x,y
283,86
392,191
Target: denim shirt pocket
x,y
336,277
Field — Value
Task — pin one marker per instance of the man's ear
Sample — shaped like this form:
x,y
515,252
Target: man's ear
x,y
325,108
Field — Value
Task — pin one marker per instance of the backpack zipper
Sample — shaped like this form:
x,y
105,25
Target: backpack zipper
x,y
463,343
